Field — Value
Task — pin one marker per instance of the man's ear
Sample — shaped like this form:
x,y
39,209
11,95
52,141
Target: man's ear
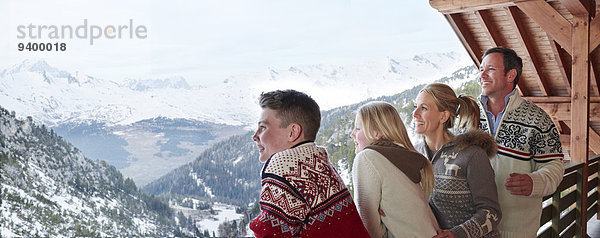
x,y
511,74
295,132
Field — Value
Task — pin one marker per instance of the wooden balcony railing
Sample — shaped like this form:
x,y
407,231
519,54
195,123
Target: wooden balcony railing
x,y
560,213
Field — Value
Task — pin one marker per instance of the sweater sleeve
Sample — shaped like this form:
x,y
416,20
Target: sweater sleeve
x,y
480,177
547,168
282,209
367,193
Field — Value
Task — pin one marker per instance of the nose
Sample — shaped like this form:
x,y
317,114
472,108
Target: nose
x,y
353,134
255,136
480,74
415,113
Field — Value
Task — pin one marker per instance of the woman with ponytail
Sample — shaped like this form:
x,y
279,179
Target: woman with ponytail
x,y
392,181
464,199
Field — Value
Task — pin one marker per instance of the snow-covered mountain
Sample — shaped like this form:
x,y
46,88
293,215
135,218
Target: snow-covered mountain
x,y
147,127
49,189
53,96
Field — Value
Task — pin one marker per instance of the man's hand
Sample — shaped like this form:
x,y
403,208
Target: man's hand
x,y
519,184
443,234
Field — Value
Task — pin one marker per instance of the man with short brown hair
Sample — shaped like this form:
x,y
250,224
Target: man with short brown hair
x,y
528,165
302,194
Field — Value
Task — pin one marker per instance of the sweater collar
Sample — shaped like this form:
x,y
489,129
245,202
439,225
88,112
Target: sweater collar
x,y
409,162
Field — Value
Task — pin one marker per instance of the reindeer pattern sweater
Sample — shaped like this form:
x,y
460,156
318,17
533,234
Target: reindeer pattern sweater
x,y
464,198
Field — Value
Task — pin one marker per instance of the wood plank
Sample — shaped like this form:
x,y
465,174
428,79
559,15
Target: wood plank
x,y
557,99
485,19
595,71
546,214
456,6
550,20
569,232
525,40
565,141
580,106
594,140
466,37
594,34
569,180
567,201
567,219
579,7
563,60
594,77
593,182
566,129
579,97
562,112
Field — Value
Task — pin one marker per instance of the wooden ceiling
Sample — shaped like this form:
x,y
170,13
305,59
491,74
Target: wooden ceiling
x,y
558,41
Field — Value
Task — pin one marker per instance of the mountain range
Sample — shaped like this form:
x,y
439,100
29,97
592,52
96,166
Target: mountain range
x,y
147,127
229,171
50,188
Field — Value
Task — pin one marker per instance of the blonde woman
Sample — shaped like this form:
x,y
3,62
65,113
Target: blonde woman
x,y
464,199
389,176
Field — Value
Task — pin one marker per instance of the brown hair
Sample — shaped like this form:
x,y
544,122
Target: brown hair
x,y
294,107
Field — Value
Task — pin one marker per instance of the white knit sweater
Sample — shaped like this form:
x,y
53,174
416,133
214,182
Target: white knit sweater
x,y
378,184
528,143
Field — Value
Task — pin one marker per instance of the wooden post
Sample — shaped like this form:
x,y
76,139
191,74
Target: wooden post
x,y
580,110
555,215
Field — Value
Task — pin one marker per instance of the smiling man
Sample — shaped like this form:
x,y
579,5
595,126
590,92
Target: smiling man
x,y
528,165
302,194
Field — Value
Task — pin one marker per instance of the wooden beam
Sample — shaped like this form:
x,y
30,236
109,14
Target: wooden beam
x,y
579,7
563,112
563,60
565,130
594,138
530,53
594,77
580,96
550,21
456,6
484,17
565,141
594,34
580,107
466,37
594,141
557,99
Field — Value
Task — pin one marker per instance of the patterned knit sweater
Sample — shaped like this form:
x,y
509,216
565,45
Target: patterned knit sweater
x,y
303,196
464,198
528,143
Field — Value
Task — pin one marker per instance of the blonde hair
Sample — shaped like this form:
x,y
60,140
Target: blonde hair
x,y
383,118
463,107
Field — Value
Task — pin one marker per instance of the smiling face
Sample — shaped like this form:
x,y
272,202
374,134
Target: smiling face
x,y
492,79
427,117
270,137
358,134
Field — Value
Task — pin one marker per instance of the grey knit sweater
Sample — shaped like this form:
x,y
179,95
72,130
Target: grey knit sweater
x,y
464,198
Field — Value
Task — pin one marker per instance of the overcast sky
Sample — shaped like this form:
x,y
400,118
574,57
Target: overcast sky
x,y
209,40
